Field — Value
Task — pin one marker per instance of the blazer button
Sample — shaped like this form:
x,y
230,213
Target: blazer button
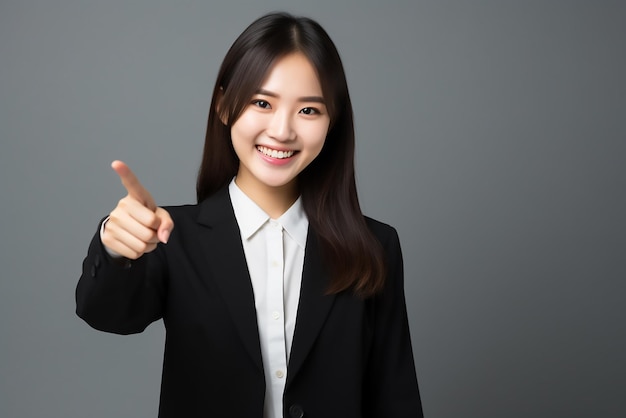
x,y
296,411
93,271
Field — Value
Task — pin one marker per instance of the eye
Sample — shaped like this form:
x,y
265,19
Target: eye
x,y
310,111
261,103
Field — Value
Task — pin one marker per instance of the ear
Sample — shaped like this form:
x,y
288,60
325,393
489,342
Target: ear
x,y
218,107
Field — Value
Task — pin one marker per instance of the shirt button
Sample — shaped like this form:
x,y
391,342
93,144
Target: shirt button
x,y
276,315
280,374
274,263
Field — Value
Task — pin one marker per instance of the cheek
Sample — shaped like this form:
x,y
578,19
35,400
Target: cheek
x,y
245,128
318,138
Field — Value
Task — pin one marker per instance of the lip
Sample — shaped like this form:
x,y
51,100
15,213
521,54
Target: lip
x,y
276,161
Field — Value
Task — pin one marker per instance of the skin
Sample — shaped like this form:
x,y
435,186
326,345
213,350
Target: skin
x,y
136,225
286,116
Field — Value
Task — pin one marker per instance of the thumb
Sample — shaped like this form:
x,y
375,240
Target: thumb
x,y
166,225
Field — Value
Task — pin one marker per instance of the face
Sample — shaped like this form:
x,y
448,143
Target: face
x,y
282,129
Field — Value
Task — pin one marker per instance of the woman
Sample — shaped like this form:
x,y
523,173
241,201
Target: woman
x,y
278,296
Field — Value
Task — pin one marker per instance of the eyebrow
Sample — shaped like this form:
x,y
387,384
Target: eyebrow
x,y
316,99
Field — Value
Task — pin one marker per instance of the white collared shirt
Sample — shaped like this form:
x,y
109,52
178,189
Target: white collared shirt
x,y
274,250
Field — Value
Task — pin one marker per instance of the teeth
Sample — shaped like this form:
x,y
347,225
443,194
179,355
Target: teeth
x,y
274,153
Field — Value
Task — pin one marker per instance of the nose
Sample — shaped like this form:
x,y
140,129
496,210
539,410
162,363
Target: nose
x,y
280,127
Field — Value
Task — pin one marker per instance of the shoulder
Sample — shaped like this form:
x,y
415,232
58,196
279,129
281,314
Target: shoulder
x,y
182,214
185,218
182,211
385,233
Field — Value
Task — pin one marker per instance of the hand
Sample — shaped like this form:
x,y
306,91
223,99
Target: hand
x,y
136,225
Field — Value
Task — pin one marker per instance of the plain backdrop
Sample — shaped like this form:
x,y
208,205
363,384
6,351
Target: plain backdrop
x,y
491,134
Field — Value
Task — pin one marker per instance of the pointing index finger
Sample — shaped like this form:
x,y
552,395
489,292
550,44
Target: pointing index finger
x,y
134,188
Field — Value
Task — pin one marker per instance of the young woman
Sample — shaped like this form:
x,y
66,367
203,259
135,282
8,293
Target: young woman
x,y
279,298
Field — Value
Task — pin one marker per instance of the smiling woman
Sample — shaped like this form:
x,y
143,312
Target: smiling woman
x,y
327,184
279,297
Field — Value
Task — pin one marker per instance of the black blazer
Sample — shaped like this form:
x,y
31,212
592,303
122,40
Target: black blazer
x,y
350,357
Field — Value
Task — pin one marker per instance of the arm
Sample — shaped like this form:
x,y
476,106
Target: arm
x,y
124,293
120,296
391,388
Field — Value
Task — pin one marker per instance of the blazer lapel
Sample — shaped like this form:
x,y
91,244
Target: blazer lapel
x,y
230,274
313,306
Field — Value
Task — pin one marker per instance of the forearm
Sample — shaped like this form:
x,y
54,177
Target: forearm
x,y
117,295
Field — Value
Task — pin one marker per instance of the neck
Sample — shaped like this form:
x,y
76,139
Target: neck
x,y
273,200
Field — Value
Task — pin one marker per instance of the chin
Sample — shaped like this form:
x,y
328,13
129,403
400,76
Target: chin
x,y
277,182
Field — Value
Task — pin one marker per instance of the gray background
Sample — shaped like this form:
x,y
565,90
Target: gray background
x,y
492,134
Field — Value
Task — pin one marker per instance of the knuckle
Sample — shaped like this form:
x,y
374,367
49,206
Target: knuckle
x,y
113,221
142,247
116,212
107,239
144,236
152,219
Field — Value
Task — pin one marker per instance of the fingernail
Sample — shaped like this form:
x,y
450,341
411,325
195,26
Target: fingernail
x,y
165,236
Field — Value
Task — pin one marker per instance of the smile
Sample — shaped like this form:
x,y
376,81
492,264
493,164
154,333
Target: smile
x,y
274,153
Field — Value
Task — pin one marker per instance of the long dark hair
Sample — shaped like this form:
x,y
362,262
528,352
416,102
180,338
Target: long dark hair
x,y
353,255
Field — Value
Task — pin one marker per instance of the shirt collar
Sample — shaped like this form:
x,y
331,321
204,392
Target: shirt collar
x,y
251,217
295,223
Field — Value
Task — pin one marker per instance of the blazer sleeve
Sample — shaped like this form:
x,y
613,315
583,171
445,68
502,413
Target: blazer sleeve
x,y
120,297
391,388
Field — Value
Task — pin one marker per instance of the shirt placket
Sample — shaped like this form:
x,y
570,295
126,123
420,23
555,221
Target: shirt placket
x,y
275,309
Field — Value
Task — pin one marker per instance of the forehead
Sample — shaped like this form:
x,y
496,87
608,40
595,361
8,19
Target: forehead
x,y
293,75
